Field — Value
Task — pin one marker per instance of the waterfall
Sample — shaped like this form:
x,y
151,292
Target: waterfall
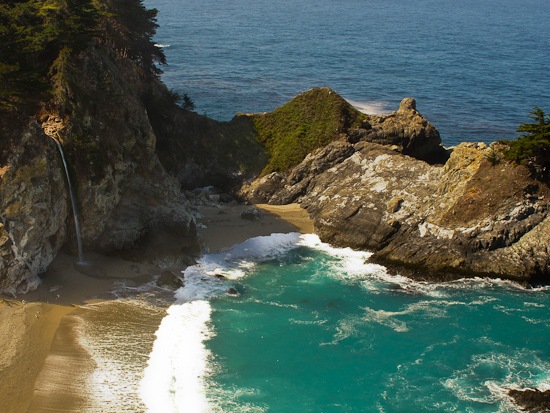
x,y
73,202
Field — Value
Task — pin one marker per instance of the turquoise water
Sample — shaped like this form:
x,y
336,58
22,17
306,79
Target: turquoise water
x,y
476,68
316,329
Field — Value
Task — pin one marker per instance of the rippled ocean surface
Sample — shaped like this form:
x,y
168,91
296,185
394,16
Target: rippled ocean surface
x,y
311,328
477,68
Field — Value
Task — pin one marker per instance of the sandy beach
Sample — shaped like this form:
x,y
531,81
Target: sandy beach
x,y
43,365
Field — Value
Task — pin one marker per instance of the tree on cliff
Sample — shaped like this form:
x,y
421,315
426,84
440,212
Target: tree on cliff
x,y
128,27
32,33
533,147
38,37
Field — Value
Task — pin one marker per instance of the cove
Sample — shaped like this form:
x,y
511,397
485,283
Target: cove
x,y
316,329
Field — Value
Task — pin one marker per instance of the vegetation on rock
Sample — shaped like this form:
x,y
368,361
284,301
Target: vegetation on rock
x,y
309,121
39,37
533,147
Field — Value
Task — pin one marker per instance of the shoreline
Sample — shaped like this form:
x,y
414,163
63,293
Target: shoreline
x,y
221,227
44,365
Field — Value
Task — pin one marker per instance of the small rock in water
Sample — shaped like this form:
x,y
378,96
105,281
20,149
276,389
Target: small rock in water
x,y
232,291
169,280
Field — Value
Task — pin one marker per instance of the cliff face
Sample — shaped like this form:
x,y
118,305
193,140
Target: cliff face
x,y
125,198
124,193
33,209
200,151
375,191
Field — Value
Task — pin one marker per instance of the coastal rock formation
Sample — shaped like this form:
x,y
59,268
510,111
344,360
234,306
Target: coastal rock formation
x,y
532,400
467,217
33,209
406,131
169,280
126,199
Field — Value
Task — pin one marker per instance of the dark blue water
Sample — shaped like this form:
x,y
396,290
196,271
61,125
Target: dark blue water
x,y
476,67
316,329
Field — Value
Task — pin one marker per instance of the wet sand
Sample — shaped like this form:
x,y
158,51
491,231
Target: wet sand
x,y
222,227
43,366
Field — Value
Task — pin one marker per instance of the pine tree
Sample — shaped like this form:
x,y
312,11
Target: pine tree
x,y
533,147
38,38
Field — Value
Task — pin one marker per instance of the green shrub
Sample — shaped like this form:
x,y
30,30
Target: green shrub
x,y
533,147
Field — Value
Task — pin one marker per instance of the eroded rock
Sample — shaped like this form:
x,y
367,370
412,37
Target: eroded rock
x,y
467,217
170,280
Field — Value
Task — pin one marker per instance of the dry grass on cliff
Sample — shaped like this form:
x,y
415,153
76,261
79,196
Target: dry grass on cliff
x,y
494,189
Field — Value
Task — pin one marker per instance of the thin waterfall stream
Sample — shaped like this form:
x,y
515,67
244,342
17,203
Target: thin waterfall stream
x,y
73,202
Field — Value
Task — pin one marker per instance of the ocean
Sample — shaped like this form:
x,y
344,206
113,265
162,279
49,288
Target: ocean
x,y
476,68
312,328
286,323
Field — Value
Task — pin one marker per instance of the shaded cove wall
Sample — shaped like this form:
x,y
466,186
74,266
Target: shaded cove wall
x,y
125,198
33,208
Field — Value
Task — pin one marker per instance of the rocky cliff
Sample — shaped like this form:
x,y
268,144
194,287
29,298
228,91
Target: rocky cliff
x,y
389,187
125,198
124,195
33,207
382,183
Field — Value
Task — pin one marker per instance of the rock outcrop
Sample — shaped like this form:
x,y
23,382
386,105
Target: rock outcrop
x,y
532,400
376,191
406,130
126,199
33,209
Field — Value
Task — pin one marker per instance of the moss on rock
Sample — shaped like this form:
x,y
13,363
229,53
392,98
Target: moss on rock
x,y
311,120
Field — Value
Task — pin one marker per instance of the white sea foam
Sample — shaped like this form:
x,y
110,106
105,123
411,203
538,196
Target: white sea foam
x,y
349,264
263,248
200,280
370,108
386,318
114,333
510,370
174,378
